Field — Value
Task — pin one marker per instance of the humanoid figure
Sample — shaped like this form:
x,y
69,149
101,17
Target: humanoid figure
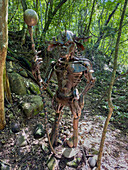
x,y
69,70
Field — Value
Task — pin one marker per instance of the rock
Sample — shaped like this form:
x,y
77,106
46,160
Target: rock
x,y
74,163
45,148
20,84
11,116
17,84
4,166
31,105
23,73
22,139
92,161
70,152
15,127
39,131
34,88
42,114
93,151
31,87
51,163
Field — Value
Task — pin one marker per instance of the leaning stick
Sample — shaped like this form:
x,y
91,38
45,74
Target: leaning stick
x,y
36,71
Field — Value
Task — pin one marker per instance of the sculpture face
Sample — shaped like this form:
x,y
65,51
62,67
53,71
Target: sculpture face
x,y
65,44
66,49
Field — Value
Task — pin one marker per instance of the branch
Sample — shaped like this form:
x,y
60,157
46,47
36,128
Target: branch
x,y
24,5
90,20
58,7
106,23
123,41
110,16
13,14
51,15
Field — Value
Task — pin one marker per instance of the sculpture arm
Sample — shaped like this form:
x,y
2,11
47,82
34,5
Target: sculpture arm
x,y
88,75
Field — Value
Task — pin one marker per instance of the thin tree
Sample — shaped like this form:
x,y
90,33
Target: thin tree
x,y
90,19
110,104
24,5
101,34
50,13
3,52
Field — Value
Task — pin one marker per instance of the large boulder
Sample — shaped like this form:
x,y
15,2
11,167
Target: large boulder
x,y
17,85
21,85
31,105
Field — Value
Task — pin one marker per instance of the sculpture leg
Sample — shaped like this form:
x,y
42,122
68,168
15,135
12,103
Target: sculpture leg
x,y
75,131
76,111
55,128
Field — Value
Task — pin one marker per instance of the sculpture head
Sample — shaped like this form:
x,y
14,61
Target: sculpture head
x,y
66,42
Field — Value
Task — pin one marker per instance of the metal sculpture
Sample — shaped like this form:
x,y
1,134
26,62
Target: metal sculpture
x,y
69,70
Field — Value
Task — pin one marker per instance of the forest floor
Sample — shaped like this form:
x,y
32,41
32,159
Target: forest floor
x,y
34,154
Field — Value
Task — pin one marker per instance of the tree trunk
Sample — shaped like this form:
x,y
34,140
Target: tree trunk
x,y
110,89
3,52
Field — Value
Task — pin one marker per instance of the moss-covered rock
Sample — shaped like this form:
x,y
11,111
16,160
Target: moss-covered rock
x,y
38,131
21,85
23,73
31,105
17,84
51,163
34,88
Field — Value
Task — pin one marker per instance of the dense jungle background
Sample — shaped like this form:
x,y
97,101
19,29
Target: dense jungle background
x,y
22,146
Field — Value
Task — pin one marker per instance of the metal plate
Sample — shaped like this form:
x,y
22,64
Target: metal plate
x,y
77,68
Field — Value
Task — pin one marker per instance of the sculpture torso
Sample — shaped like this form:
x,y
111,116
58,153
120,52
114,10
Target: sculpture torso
x,y
69,75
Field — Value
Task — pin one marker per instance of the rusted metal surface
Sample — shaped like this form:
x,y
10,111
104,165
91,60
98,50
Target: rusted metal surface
x,y
69,70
